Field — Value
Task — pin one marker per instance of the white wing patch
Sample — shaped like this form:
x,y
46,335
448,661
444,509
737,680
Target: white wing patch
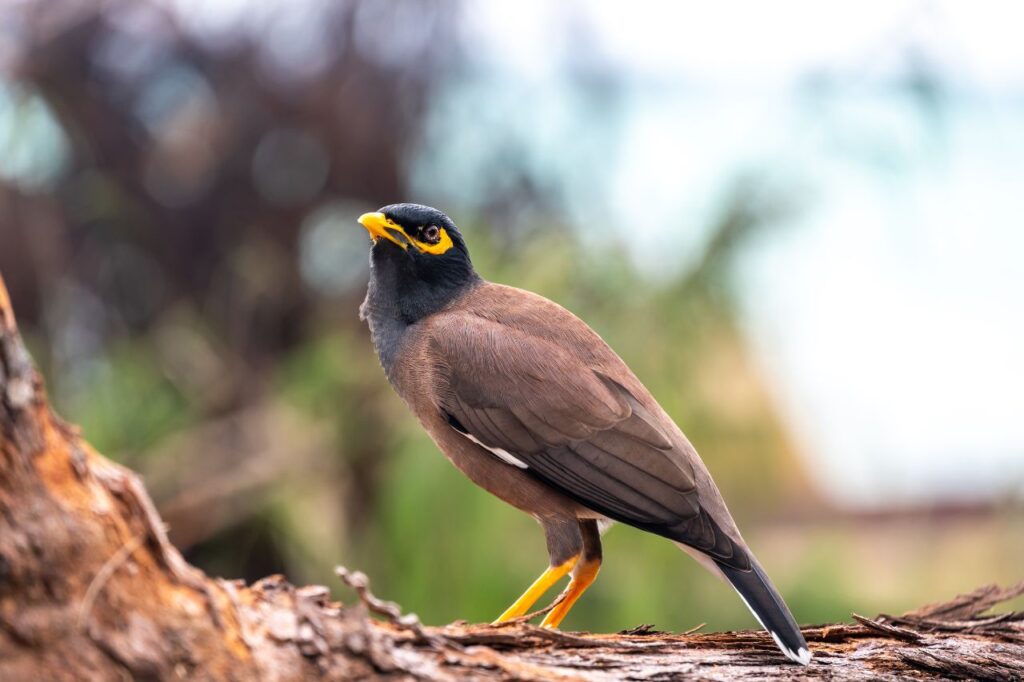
x,y
500,453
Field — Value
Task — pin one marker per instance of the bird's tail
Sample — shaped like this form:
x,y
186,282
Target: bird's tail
x,y
771,612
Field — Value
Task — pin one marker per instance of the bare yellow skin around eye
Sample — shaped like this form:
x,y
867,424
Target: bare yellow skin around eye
x,y
437,249
377,224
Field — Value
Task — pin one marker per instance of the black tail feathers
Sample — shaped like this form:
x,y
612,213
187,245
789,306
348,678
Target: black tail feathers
x,y
771,611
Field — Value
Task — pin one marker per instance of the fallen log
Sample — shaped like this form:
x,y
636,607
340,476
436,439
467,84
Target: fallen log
x,y
91,588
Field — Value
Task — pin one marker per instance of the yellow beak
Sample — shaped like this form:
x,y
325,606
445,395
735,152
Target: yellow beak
x,y
378,225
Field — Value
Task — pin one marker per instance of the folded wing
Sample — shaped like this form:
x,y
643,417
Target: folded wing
x,y
575,427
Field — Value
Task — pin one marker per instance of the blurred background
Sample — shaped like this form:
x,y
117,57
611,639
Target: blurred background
x,y
799,223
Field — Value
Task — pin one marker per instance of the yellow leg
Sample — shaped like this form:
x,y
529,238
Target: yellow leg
x,y
581,580
541,585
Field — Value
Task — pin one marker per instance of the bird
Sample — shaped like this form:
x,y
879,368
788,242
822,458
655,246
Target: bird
x,y
529,402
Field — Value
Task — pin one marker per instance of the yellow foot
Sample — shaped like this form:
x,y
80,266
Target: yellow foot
x,y
582,578
541,585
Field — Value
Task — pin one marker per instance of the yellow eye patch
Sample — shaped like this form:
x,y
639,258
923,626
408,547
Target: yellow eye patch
x,y
379,225
444,243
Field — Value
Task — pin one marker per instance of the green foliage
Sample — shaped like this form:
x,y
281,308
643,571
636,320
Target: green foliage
x,y
125,402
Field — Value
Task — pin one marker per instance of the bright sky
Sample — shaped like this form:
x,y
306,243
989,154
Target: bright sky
x,y
768,43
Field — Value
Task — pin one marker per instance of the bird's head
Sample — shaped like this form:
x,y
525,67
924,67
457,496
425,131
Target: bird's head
x,y
419,257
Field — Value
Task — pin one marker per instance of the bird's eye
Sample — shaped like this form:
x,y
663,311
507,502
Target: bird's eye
x,y
431,234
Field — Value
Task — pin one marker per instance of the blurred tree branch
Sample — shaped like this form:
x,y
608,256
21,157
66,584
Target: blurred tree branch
x,y
90,588
189,178
191,164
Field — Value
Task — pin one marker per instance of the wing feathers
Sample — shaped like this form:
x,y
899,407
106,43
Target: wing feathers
x,y
644,457
519,437
538,427
667,503
573,426
640,425
605,493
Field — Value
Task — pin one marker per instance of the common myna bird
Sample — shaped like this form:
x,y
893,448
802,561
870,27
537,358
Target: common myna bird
x,y
529,403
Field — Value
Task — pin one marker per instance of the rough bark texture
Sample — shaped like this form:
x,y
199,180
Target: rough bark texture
x,y
90,588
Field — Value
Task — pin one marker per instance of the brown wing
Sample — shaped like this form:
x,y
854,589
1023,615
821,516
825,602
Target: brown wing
x,y
573,426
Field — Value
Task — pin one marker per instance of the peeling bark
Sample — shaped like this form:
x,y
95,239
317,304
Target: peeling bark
x,y
90,588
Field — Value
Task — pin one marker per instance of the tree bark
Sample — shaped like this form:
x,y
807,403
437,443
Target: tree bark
x,y
90,588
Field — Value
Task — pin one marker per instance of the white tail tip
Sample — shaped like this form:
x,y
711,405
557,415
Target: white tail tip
x,y
802,655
